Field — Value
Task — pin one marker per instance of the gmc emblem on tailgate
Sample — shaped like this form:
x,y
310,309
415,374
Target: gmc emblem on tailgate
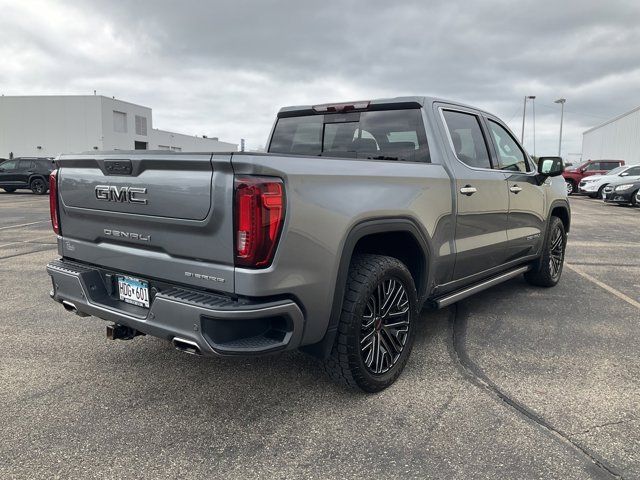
x,y
111,193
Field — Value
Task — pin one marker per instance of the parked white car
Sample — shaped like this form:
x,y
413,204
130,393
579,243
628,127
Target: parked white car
x,y
594,185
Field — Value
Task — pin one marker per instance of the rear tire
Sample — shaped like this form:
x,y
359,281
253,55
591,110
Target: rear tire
x,y
547,270
377,324
38,186
9,189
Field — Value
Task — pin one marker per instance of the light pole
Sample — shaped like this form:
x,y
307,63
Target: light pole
x,y
533,101
524,113
561,101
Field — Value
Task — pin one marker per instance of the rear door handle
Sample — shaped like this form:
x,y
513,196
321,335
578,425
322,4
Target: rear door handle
x,y
515,189
468,190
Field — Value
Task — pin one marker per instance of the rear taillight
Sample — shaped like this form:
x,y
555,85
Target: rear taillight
x,y
259,215
53,201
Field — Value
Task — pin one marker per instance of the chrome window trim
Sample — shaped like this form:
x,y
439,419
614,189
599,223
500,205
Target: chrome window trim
x,y
527,159
441,109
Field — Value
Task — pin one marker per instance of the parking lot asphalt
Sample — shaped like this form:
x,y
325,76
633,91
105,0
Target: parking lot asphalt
x,y
516,382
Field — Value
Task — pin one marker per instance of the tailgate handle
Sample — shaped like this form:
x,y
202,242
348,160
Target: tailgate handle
x,y
118,167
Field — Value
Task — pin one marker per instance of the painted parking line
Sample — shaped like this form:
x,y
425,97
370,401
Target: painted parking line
x,y
603,285
25,241
24,224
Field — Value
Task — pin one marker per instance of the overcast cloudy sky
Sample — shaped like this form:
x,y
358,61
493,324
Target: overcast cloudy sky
x,y
223,68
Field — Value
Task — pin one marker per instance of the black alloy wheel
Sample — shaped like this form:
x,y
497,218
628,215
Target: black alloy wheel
x,y
38,186
376,327
556,252
546,271
385,326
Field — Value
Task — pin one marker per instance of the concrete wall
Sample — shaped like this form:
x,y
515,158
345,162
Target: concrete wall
x,y
617,139
55,123
164,140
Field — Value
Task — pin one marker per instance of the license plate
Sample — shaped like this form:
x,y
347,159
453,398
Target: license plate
x,y
134,291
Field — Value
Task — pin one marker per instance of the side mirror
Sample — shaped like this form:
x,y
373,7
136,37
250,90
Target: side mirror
x,y
550,166
624,174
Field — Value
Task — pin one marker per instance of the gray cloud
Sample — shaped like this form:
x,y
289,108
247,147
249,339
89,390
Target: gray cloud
x,y
224,68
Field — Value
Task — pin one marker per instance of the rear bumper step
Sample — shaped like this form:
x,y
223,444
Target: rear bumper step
x,y
196,322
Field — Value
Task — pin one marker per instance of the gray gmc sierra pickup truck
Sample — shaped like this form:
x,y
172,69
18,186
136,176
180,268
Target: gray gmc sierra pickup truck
x,y
358,215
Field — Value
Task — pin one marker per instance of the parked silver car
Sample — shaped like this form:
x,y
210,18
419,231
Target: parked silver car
x,y
594,185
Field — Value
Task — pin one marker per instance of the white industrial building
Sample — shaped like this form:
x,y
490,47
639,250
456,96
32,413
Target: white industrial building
x,y
50,125
615,139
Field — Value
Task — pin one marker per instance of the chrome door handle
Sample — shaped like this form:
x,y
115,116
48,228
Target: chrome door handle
x,y
515,189
468,190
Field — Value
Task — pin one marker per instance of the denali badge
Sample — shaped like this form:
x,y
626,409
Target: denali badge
x,y
111,193
132,235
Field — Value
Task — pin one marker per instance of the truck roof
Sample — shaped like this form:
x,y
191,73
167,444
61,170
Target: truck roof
x,y
423,101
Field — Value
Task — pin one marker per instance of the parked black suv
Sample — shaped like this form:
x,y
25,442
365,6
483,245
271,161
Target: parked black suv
x,y
26,172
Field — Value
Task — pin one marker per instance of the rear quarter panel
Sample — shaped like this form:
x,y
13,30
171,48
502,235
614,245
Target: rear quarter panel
x,y
326,198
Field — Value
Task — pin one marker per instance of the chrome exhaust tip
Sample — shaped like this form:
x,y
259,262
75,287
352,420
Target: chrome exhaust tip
x,y
69,307
186,346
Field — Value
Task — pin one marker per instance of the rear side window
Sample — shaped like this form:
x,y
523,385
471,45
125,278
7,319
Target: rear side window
x,y
27,165
45,165
608,165
510,154
467,138
377,135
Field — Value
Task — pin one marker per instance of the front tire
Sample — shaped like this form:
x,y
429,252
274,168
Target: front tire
x,y
547,270
377,325
38,186
571,187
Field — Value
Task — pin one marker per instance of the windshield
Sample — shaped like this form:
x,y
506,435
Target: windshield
x,y
377,135
580,165
617,170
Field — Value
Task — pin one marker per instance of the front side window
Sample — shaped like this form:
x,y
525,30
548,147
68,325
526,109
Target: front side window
x,y
10,165
634,171
467,138
593,166
510,154
376,135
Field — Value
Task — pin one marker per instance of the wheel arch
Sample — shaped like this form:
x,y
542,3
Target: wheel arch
x,y
38,176
400,238
562,210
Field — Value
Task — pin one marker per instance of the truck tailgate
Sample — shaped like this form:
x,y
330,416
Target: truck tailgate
x,y
152,214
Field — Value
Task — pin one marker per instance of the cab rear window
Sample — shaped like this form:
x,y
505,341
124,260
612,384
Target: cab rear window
x,y
376,135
